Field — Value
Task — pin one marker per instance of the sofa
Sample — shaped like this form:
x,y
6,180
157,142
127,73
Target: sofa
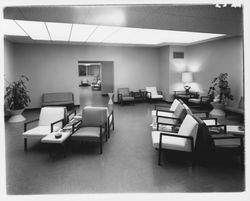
x,y
58,99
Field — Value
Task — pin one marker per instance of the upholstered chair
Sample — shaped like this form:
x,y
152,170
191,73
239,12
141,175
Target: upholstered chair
x,y
153,94
184,140
124,95
93,127
51,119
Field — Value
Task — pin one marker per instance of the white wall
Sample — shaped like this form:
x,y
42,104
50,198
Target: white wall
x,y
53,68
176,67
9,72
209,59
164,71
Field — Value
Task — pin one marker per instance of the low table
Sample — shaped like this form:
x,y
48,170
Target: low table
x,y
51,139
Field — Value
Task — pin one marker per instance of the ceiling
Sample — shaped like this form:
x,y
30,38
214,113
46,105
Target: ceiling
x,y
196,18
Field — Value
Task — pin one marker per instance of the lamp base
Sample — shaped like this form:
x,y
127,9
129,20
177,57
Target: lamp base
x,y
186,87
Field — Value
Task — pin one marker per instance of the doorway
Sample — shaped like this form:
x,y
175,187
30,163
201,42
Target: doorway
x,y
96,80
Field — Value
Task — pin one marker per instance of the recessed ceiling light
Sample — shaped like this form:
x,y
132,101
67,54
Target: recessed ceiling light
x,y
10,27
81,32
36,30
101,33
59,31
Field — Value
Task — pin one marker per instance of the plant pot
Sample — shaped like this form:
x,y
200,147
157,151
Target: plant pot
x,y
16,116
217,110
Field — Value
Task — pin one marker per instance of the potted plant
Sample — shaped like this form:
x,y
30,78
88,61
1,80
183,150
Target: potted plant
x,y
17,98
220,91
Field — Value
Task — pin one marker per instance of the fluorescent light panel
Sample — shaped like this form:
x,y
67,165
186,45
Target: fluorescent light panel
x,y
59,31
10,27
156,37
101,33
36,30
110,34
81,32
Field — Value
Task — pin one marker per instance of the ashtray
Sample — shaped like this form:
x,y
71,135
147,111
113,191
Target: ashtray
x,y
241,128
58,135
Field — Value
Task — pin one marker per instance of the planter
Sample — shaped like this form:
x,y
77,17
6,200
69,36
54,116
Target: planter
x,y
16,116
217,110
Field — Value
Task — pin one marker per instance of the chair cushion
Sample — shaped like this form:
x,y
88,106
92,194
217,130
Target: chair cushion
x,y
92,132
173,143
39,131
180,112
49,115
227,143
94,116
174,105
128,98
152,90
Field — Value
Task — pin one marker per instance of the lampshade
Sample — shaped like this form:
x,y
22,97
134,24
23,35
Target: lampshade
x,y
187,77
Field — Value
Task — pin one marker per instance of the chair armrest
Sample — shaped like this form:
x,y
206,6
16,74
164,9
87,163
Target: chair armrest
x,y
72,112
52,124
74,126
26,123
163,111
174,118
178,136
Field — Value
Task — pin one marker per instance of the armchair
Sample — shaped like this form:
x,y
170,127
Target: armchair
x,y
153,94
184,140
124,95
93,127
201,101
51,119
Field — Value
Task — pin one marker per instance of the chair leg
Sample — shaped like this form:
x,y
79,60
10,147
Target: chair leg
x,y
101,144
159,156
25,144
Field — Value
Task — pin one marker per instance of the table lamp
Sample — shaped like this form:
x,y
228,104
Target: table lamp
x,y
187,78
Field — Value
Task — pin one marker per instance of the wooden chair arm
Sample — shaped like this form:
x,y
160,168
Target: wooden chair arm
x,y
52,124
26,123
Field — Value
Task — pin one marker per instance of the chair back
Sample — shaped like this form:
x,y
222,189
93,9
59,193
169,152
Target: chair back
x,y
180,112
123,91
189,127
94,116
174,105
204,142
152,90
49,115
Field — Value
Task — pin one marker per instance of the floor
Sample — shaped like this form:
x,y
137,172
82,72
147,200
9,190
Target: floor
x,y
128,163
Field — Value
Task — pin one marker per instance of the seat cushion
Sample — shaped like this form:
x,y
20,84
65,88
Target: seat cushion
x,y
127,98
39,131
91,132
172,143
123,91
157,96
224,143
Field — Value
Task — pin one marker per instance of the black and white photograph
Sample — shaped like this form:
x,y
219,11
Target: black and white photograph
x,y
124,100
